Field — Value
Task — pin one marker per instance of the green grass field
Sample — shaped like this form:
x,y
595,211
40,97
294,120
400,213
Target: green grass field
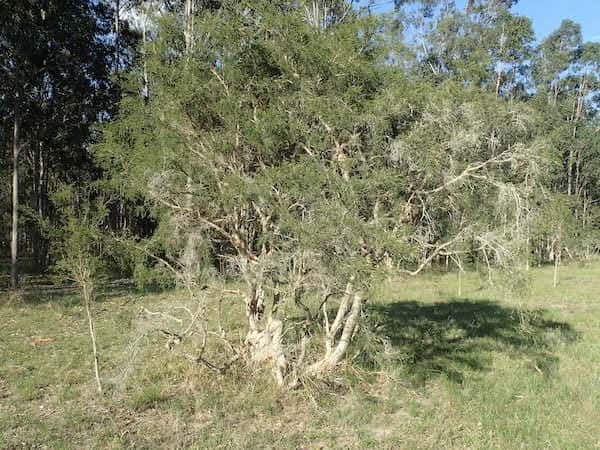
x,y
483,371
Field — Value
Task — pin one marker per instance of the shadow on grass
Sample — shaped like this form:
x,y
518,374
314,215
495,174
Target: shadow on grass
x,y
38,291
457,336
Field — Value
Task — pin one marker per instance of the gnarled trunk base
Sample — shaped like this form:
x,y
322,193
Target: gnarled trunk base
x,y
266,348
348,323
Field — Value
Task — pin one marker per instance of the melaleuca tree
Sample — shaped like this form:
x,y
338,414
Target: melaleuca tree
x,y
257,144
81,251
474,163
281,149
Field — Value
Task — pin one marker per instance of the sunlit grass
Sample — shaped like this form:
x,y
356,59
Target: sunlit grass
x,y
486,369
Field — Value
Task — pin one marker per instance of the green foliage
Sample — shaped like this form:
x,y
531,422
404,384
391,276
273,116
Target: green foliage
x,y
274,139
79,246
262,138
558,51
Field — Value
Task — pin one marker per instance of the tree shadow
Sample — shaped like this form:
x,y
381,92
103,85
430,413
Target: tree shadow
x,y
459,335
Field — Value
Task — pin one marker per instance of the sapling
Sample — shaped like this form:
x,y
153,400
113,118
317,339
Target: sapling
x,y
80,263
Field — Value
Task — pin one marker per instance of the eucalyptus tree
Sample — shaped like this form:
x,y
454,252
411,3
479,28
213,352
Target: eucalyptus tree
x,y
485,45
556,54
567,75
15,51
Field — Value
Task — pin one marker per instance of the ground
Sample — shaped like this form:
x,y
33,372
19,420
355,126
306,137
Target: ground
x,y
487,369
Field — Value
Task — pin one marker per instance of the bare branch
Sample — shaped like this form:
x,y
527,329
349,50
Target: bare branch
x,y
433,254
469,171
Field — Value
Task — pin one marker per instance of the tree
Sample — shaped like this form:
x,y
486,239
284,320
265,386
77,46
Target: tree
x,y
486,45
267,128
14,271
81,253
566,74
283,152
556,54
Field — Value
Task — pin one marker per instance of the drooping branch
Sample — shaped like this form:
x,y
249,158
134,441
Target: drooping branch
x,y
470,171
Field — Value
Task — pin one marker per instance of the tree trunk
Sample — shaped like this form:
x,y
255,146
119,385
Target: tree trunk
x,y
556,264
585,208
117,25
334,356
265,336
498,80
189,25
146,87
14,269
346,321
570,168
87,298
557,257
38,205
500,67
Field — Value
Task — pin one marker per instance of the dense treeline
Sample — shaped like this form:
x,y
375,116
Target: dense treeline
x,y
304,146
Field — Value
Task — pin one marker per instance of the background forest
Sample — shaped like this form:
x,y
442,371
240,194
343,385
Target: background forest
x,y
278,171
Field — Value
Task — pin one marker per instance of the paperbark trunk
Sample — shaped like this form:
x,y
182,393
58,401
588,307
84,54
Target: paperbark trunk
x,y
346,320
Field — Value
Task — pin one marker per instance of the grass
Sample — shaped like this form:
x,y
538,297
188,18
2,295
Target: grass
x,y
433,370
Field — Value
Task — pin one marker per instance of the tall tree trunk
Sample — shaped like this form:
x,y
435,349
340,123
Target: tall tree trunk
x,y
585,207
576,156
499,78
189,25
41,209
14,269
570,167
37,204
146,87
500,66
117,26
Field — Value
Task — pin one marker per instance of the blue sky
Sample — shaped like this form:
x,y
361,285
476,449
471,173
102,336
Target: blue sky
x,y
547,14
